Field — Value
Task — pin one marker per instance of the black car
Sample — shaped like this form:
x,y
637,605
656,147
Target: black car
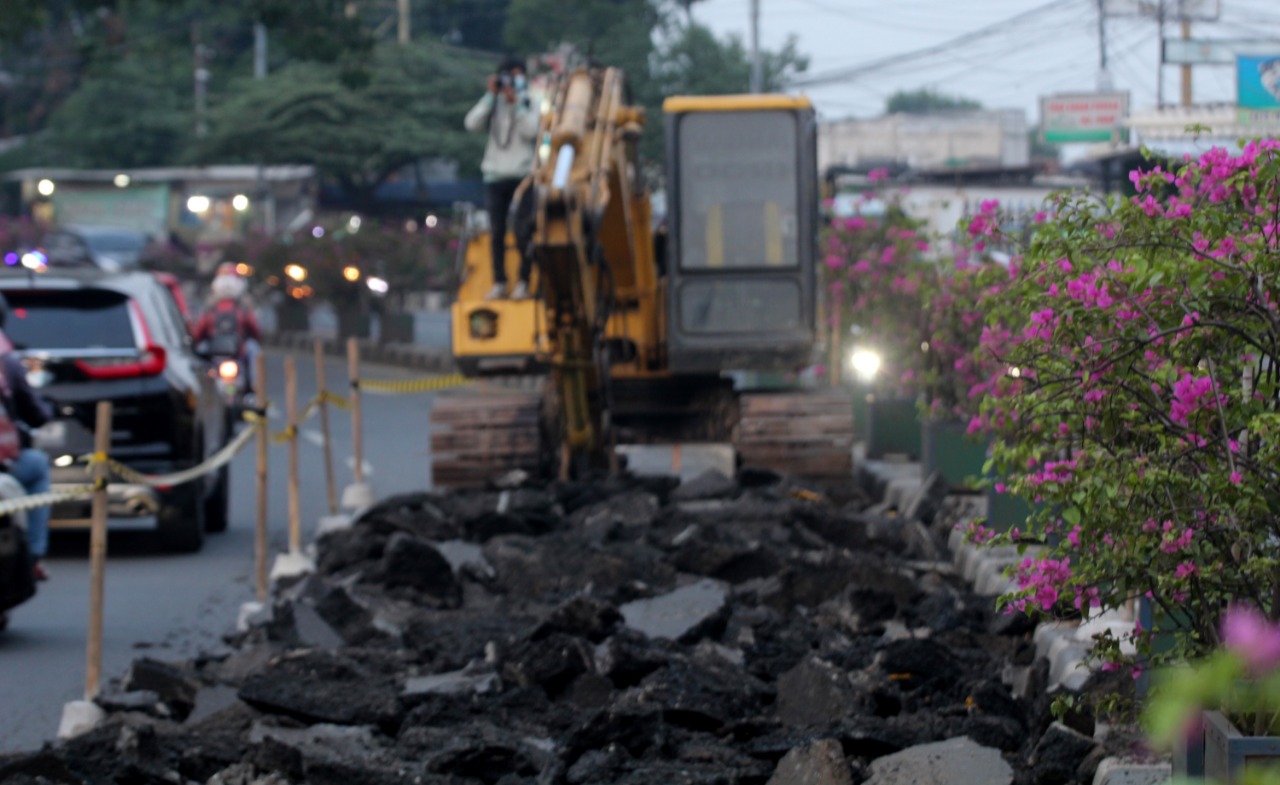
x,y
87,335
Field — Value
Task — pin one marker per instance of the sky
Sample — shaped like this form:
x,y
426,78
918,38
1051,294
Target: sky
x,y
1033,48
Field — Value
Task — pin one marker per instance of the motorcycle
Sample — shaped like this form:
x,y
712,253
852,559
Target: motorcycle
x,y
17,567
231,378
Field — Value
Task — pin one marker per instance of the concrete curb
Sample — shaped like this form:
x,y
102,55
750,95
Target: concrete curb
x,y
1066,646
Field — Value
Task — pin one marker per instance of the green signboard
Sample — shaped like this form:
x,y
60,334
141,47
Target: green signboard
x,y
141,207
1084,117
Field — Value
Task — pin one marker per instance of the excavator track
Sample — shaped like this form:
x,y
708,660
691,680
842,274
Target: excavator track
x,y
806,433
483,434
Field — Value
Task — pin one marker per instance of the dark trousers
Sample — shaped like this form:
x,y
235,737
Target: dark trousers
x,y
497,201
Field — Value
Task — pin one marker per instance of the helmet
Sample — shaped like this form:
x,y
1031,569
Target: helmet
x,y
226,268
228,287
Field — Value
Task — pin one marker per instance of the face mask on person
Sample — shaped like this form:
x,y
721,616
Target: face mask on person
x,y
518,82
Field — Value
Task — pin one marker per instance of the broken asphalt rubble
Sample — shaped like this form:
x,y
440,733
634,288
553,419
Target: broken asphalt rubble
x,y
624,631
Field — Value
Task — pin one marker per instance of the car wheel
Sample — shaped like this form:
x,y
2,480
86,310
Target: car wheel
x,y
180,519
216,503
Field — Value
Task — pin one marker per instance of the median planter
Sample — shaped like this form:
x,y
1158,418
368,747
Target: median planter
x,y
1229,754
1006,511
952,453
893,428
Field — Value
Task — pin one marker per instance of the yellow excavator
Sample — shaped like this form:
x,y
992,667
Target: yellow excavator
x,y
641,330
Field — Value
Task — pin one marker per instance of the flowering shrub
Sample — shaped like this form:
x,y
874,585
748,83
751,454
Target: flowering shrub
x,y
1140,401
1241,679
956,376
877,282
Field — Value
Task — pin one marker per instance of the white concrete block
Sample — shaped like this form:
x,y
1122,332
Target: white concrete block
x,y
1114,771
991,580
1049,631
79,717
333,523
291,565
357,496
1075,678
250,614
1065,656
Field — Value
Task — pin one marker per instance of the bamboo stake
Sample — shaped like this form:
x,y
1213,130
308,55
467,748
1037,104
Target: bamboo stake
x,y
357,436
321,390
291,404
260,530
98,551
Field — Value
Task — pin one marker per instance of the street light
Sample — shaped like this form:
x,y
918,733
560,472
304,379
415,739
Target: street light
x,y
377,285
121,180
297,272
198,204
351,273
865,363
45,187
240,202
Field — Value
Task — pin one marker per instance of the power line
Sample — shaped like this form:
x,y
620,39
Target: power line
x,y
928,51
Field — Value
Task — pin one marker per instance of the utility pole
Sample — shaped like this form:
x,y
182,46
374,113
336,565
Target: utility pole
x,y
1104,78
756,76
1186,67
201,81
259,50
1160,55
402,30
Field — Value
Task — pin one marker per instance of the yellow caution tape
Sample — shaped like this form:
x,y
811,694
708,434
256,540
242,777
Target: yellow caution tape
x,y
232,448
329,396
409,386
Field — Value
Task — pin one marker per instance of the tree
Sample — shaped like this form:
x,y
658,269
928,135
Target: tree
x,y
123,115
694,62
927,101
356,135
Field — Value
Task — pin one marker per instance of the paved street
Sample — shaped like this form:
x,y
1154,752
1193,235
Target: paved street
x,y
169,606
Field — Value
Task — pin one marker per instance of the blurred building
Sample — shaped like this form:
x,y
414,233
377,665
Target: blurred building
x,y
988,139
198,207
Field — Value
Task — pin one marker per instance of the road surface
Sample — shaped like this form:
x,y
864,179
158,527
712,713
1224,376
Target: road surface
x,y
172,606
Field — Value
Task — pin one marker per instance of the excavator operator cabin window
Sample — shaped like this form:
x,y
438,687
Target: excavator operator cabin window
x,y
739,190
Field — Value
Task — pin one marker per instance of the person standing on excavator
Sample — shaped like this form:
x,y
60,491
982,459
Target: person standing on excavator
x,y
508,116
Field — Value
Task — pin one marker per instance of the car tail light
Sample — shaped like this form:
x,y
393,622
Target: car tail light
x,y
228,369
149,362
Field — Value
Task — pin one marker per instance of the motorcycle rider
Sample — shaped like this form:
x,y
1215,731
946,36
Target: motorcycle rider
x,y
228,327
27,411
506,113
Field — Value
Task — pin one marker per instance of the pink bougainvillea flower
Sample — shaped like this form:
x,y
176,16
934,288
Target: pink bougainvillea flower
x,y
1253,637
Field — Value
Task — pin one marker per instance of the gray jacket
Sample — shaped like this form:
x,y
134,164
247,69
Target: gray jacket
x,y
512,131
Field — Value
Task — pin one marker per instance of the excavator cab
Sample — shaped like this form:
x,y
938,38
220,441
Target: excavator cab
x,y
742,228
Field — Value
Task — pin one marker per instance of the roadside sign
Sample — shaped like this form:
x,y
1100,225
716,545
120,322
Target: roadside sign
x,y
1258,82
1083,117
1180,51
